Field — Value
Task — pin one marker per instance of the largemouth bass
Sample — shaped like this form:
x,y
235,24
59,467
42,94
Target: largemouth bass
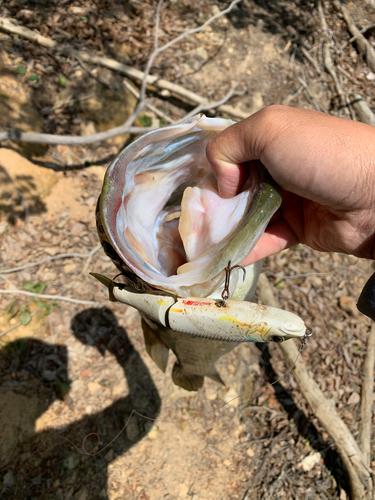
x,y
161,220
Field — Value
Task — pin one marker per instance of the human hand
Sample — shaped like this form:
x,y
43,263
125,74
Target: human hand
x,y
325,167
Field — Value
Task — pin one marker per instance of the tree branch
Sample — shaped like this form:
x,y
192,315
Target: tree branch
x,y
7,26
51,297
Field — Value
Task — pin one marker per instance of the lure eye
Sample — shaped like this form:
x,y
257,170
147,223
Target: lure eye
x,y
277,339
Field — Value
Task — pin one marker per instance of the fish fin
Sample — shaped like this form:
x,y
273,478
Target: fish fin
x,y
187,381
214,375
155,348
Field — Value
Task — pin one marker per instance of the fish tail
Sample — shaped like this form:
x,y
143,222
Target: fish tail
x,y
188,381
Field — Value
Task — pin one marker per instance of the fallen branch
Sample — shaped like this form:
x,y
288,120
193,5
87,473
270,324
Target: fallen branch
x,y
363,45
51,259
367,396
355,463
51,297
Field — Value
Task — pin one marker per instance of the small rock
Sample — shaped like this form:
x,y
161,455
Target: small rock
x,y
289,454
201,52
49,276
132,430
91,201
370,76
94,387
8,479
227,463
70,461
231,397
348,305
51,250
82,494
257,101
77,229
354,398
119,389
309,462
88,128
250,452
108,457
3,226
68,268
153,433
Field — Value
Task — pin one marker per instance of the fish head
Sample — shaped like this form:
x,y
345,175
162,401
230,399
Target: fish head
x,y
162,221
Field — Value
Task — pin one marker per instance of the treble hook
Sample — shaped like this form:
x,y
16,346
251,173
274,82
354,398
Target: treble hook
x,y
225,292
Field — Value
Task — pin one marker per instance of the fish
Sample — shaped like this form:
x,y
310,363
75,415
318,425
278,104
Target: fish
x,y
179,246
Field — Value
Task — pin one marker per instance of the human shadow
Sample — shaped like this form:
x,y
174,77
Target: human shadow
x,y
304,427
51,464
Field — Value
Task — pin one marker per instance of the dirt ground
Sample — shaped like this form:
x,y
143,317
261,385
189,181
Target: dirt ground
x,y
84,412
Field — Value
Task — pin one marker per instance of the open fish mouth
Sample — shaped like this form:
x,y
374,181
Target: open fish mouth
x,y
161,212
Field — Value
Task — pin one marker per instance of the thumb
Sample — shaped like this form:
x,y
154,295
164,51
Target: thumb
x,y
231,154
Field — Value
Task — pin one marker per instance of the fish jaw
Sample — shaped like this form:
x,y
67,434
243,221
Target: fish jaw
x,y
134,210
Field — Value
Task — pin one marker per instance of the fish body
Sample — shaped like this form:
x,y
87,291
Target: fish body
x,y
162,222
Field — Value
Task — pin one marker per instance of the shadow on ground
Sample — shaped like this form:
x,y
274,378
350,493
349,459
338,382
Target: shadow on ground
x,y
45,465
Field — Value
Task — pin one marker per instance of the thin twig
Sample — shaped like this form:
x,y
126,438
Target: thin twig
x,y
50,259
291,98
345,73
50,297
328,63
353,38
89,258
211,105
367,397
152,108
310,58
327,32
314,101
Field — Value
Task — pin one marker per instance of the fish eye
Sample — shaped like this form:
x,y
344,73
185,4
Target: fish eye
x,y
276,338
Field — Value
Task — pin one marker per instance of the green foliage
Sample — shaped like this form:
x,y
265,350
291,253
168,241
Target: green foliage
x,y
20,69
61,388
34,287
33,78
62,81
146,121
25,317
